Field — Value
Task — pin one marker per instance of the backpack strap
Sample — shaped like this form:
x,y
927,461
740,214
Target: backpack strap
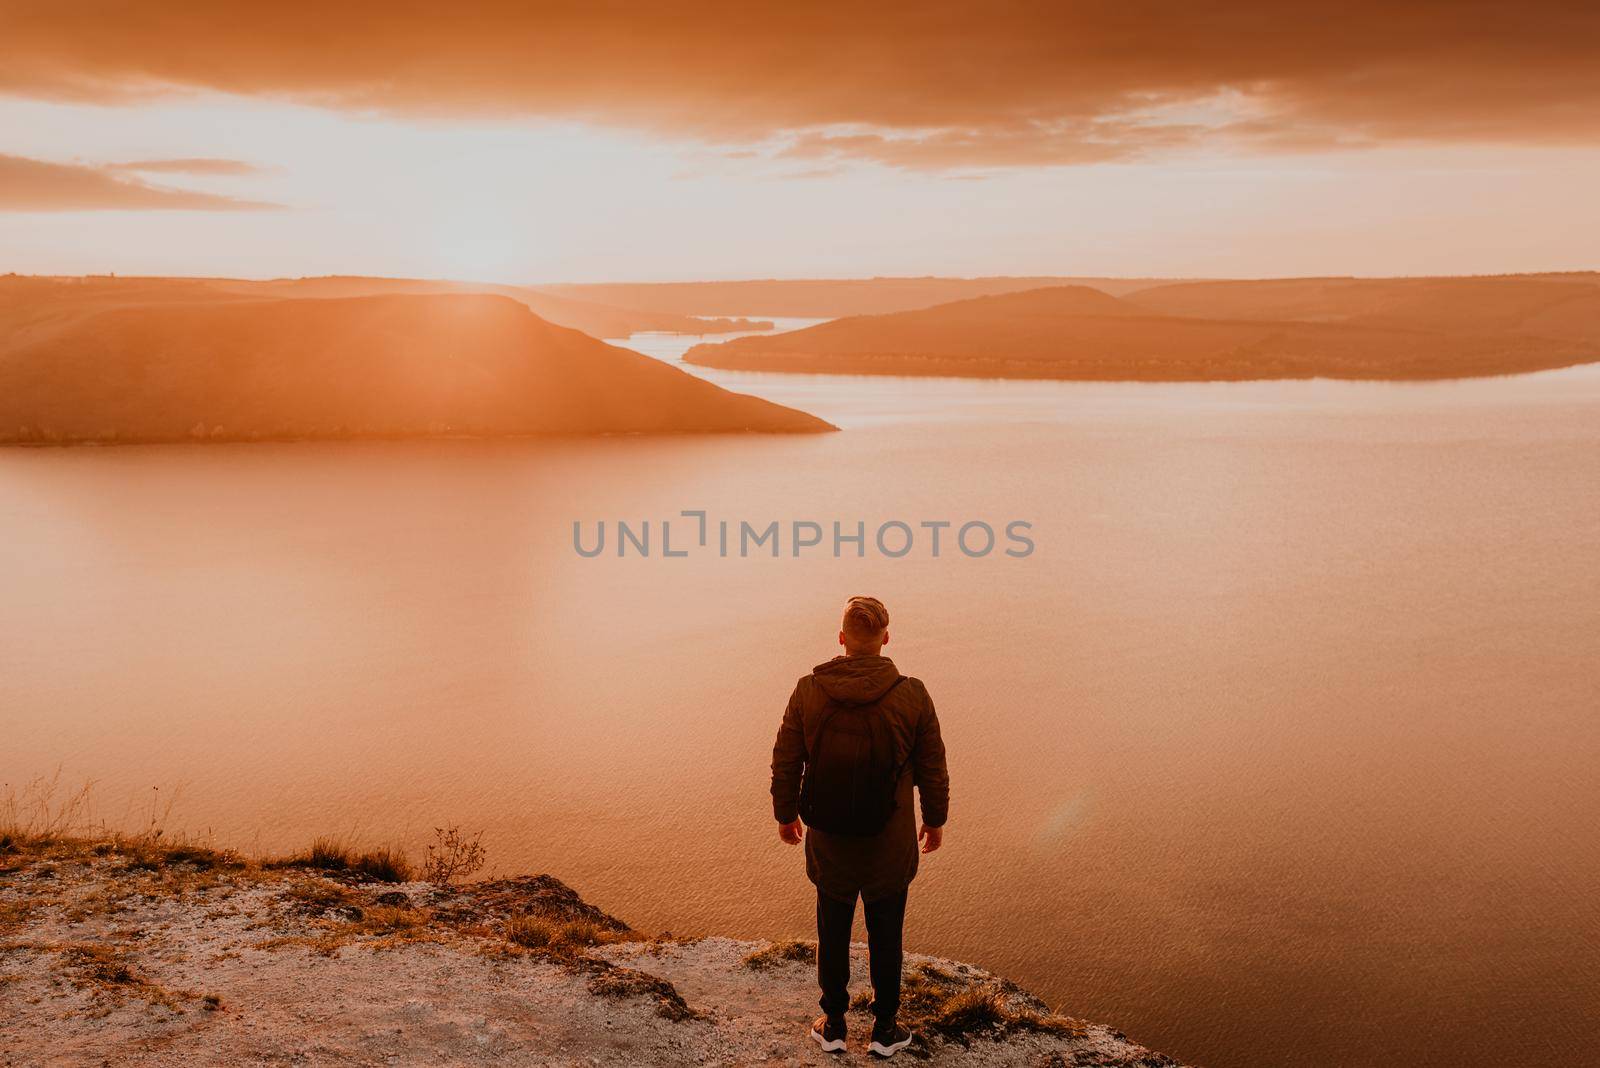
x,y
882,696
901,768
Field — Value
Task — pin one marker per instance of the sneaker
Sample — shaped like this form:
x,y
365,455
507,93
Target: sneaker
x,y
829,1034
887,1041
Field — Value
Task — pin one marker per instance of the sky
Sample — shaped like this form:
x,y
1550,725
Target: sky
x,y
617,142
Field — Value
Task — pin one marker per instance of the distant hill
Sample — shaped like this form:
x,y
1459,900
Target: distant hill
x,y
114,369
1074,332
595,319
822,298
1552,306
837,298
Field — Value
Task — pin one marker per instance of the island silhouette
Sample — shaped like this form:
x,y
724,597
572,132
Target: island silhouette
x,y
182,361
1216,331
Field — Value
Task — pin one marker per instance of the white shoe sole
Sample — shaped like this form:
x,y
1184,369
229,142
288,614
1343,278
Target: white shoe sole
x,y
829,1045
890,1050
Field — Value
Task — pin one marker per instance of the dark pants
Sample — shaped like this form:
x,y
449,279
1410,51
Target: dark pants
x,y
885,920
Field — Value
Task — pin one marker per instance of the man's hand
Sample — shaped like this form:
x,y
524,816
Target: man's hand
x,y
790,833
932,838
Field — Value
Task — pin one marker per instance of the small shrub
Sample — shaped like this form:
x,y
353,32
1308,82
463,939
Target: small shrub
x,y
15,913
202,858
535,931
936,1001
327,854
317,896
583,933
142,853
387,926
385,919
776,953
103,968
103,965
385,865
139,855
529,931
971,1011
614,981
453,856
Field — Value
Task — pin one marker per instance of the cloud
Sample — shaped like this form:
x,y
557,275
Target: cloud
x,y
1023,145
227,167
36,185
929,85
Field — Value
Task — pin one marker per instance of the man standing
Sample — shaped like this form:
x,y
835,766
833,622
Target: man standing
x,y
855,738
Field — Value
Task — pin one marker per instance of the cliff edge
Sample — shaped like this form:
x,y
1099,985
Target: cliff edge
x,y
143,954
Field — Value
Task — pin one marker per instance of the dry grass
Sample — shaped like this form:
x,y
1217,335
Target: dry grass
x,y
145,853
42,815
187,865
934,1001
614,981
529,931
389,919
321,907
381,927
658,944
42,822
106,970
567,942
785,952
14,914
41,811
102,901
385,864
326,854
534,931
183,868
100,964
317,897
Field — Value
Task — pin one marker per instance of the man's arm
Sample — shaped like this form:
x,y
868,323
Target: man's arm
x,y
932,778
788,763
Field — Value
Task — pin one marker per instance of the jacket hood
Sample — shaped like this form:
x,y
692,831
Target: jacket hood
x,y
857,679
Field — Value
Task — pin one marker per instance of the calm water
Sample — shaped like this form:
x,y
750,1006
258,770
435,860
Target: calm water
x,y
1280,749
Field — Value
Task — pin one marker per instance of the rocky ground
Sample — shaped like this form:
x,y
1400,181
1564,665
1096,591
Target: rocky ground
x,y
130,953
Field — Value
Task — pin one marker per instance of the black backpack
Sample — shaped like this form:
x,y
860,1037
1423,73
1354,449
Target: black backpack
x,y
850,776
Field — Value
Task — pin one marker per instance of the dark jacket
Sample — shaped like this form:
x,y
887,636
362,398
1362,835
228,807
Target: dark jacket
x,y
884,864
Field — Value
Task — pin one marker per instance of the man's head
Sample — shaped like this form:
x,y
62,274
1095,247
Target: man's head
x,y
865,630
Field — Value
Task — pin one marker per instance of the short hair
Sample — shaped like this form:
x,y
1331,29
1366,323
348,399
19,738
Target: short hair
x,y
865,618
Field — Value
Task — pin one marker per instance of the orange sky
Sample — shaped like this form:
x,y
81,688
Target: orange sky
x,y
620,141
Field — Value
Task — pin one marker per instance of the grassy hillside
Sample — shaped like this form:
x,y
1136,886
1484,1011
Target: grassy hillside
x,y
596,319
117,370
1564,309
1074,332
821,298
